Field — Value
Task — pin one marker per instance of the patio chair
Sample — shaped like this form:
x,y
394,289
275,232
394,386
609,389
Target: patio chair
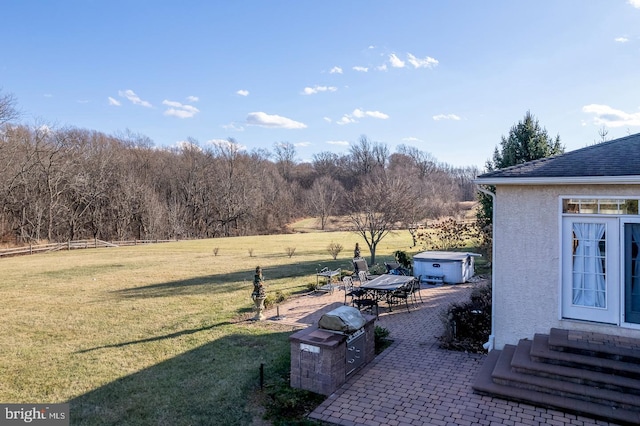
x,y
360,265
347,283
415,289
363,299
395,268
403,294
362,275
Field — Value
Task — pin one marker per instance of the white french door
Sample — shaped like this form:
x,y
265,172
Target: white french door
x,y
591,269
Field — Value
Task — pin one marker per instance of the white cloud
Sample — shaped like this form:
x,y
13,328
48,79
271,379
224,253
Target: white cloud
x,y
303,144
358,113
382,67
48,95
344,143
327,119
135,99
411,139
188,145
621,39
427,62
179,110
242,92
314,90
346,119
336,70
83,101
192,99
360,69
113,102
446,117
226,144
275,121
46,130
233,126
376,114
634,3
395,61
610,117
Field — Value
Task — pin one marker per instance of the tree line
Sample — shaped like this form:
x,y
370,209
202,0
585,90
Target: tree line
x,y
61,184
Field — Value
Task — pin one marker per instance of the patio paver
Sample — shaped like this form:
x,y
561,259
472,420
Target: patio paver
x,y
414,382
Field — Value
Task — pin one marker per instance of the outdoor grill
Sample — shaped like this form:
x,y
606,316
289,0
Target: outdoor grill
x,y
322,357
350,322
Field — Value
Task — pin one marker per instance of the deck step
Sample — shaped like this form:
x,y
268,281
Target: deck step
x,y
505,375
484,384
541,351
523,362
597,345
589,374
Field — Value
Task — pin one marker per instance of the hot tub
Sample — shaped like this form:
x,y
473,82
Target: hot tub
x,y
447,267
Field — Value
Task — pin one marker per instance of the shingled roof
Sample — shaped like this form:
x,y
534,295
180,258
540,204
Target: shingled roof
x,y
617,160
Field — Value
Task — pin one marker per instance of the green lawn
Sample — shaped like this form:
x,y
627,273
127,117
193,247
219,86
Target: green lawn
x,y
154,334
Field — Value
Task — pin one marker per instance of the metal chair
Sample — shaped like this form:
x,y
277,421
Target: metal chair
x,y
404,293
347,283
360,265
416,286
364,299
395,268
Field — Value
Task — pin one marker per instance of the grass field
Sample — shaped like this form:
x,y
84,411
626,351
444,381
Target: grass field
x,y
154,334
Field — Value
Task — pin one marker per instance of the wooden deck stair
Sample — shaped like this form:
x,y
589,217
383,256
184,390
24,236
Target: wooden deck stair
x,y
591,374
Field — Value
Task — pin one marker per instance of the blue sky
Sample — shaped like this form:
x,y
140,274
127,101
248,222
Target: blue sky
x,y
448,77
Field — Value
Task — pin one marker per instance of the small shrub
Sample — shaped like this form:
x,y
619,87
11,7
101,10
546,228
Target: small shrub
x,y
377,269
467,326
284,405
381,342
289,406
274,299
290,251
334,249
402,258
215,251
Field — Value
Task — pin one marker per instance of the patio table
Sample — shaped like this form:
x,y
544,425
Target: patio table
x,y
328,275
385,285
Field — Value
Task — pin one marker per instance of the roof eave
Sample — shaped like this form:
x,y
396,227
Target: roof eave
x,y
572,180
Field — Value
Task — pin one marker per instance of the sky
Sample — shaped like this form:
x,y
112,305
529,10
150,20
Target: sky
x,y
448,77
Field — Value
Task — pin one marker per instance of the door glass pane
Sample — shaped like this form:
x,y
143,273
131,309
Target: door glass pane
x,y
589,265
632,272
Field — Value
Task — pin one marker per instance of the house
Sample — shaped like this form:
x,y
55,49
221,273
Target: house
x,y
566,241
566,266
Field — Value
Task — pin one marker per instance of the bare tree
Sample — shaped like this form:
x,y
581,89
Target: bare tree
x,y
323,198
377,207
8,108
285,158
234,196
367,156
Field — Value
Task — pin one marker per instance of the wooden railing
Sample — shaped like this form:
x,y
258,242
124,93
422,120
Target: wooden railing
x,y
73,245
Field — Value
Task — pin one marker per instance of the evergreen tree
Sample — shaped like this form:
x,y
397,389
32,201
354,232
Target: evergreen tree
x,y
526,141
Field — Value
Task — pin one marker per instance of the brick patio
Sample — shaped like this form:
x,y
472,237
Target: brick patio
x,y
414,382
